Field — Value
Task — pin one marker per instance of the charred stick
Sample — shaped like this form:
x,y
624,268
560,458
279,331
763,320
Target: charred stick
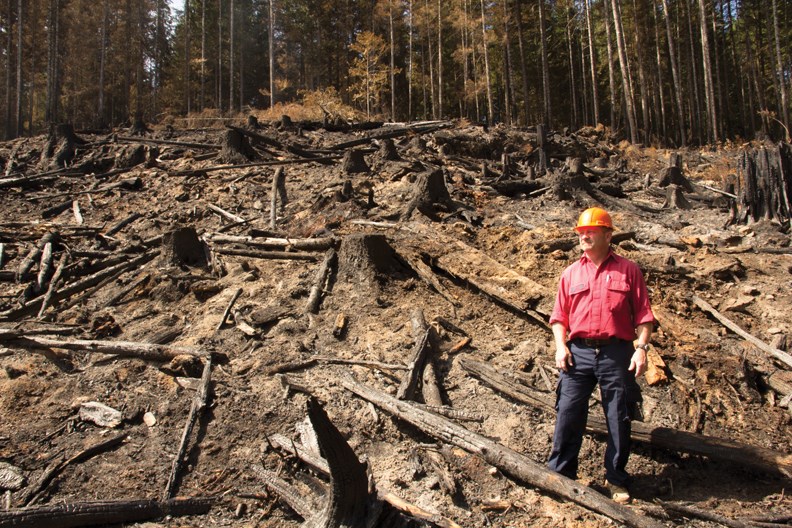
x,y
34,255
147,351
123,223
167,142
226,214
361,362
315,297
52,471
45,267
227,311
278,188
286,255
688,510
54,283
290,495
102,513
305,244
197,408
120,295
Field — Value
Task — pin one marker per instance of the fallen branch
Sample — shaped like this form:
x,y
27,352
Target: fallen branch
x,y
315,297
780,355
77,514
303,244
226,214
148,351
168,142
197,408
51,472
690,511
509,461
227,311
286,255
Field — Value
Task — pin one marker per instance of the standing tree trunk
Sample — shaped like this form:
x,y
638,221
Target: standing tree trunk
x,y
439,60
523,67
490,112
19,71
572,80
271,43
507,66
672,58
611,74
9,53
695,109
642,81
709,90
103,64
548,113
628,94
392,61
660,84
140,37
53,84
410,65
592,57
231,56
187,45
780,72
203,55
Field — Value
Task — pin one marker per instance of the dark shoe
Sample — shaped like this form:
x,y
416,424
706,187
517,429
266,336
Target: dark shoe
x,y
619,494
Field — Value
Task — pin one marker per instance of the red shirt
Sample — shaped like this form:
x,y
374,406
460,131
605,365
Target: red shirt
x,y
598,303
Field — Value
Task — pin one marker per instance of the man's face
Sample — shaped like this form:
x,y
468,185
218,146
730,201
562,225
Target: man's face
x,y
594,239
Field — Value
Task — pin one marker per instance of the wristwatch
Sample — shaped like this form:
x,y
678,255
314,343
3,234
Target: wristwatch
x,y
644,347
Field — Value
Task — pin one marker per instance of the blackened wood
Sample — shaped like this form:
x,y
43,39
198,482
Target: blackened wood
x,y
53,470
420,128
77,514
304,244
45,267
411,380
167,142
292,496
227,311
54,283
322,275
757,458
196,409
348,503
354,162
35,254
149,351
123,223
286,255
690,511
236,148
507,460
278,189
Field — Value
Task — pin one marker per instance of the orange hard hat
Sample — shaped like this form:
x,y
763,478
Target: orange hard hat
x,y
594,217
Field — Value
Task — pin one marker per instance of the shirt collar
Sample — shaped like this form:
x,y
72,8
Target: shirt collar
x,y
584,258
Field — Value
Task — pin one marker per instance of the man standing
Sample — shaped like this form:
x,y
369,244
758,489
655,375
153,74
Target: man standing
x,y
602,307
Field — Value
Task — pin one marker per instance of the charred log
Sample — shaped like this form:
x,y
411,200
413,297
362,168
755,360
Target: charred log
x,y
236,148
355,162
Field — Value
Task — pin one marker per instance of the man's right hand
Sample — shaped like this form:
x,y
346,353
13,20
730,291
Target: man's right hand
x,y
563,358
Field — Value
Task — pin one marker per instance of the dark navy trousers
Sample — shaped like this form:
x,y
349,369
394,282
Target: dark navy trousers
x,y
606,365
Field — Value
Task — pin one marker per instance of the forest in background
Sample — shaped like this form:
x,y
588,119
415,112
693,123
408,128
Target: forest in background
x,y
660,72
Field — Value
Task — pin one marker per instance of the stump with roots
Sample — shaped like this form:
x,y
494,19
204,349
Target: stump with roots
x,y
429,193
387,151
236,148
675,198
673,174
354,162
565,186
183,247
365,257
138,128
252,122
60,148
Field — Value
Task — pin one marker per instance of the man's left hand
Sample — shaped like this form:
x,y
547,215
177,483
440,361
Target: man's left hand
x,y
638,362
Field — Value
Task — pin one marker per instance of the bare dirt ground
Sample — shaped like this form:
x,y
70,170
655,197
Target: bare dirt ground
x,y
718,383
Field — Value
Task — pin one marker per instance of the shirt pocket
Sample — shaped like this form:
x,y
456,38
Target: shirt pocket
x,y
618,294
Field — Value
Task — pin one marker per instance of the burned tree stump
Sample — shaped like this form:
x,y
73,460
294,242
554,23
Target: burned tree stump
x,y
183,247
236,148
138,128
60,148
765,184
252,122
387,151
672,175
429,192
363,258
129,156
675,198
354,162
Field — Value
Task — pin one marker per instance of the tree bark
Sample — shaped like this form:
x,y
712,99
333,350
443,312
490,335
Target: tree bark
x,y
626,86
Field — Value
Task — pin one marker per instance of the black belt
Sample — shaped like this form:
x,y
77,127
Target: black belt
x,y
597,343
